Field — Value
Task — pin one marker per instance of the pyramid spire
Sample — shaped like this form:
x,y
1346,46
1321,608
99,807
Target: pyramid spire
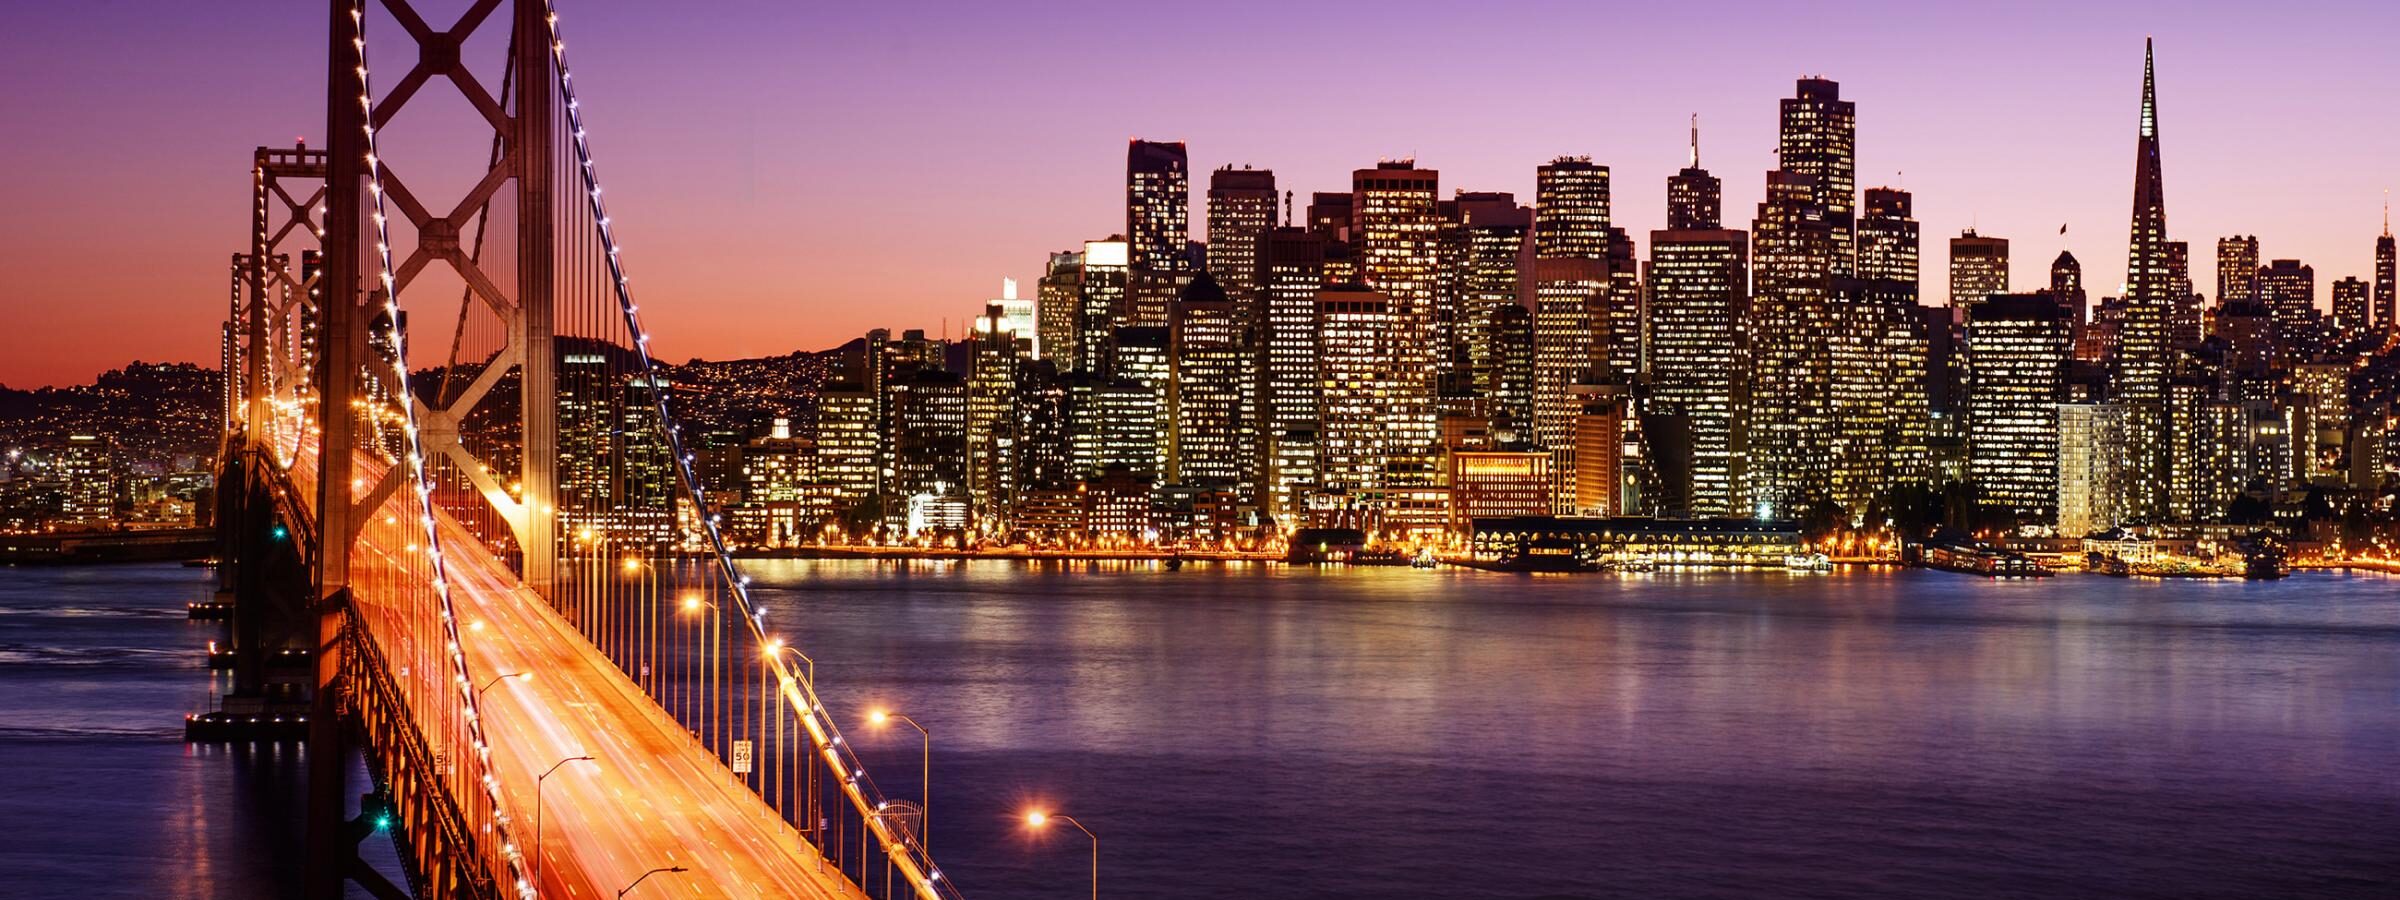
x,y
2149,92
2155,310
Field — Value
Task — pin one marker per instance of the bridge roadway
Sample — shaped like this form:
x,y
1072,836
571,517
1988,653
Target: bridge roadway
x,y
652,798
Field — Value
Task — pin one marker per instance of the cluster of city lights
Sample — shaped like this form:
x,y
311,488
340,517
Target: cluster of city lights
x,y
904,851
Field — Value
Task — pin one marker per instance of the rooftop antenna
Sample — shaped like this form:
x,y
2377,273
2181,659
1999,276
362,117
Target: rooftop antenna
x,y
2387,212
1695,140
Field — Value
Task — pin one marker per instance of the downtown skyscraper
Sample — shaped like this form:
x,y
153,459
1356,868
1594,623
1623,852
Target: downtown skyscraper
x,y
1698,334
1212,420
1394,221
2387,280
1881,416
1791,315
1241,211
1158,227
2018,346
2237,268
1571,299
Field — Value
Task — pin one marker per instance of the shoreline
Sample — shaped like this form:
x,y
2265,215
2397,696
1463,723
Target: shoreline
x,y
1161,556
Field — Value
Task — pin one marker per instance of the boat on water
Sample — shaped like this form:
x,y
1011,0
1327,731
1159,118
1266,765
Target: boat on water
x,y
2264,565
1980,559
1310,546
1808,562
2262,557
1548,555
1425,560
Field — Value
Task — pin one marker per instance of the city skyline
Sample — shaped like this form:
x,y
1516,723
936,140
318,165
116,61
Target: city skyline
x,y
2057,157
608,466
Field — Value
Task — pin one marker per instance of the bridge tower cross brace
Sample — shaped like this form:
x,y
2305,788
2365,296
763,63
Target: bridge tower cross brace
x,y
527,308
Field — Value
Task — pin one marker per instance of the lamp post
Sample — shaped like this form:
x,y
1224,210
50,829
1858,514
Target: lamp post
x,y
646,876
775,648
776,645
924,771
714,631
644,635
496,679
1039,819
537,814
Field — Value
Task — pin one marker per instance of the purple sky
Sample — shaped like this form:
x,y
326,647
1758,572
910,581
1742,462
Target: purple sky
x,y
786,175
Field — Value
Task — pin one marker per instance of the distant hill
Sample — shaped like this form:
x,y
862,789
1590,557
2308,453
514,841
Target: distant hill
x,y
156,412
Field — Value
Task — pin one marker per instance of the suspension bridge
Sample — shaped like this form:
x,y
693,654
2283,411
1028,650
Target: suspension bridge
x,y
461,533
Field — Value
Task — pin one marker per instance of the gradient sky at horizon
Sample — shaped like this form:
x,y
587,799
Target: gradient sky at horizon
x,y
786,176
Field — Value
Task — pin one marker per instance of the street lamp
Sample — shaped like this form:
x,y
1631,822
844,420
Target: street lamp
x,y
713,631
496,679
537,814
1040,819
924,771
643,635
646,876
776,645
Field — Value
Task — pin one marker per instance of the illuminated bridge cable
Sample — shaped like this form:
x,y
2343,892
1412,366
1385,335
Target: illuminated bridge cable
x,y
793,687
414,455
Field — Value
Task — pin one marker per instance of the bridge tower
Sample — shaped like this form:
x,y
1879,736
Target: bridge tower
x,y
353,289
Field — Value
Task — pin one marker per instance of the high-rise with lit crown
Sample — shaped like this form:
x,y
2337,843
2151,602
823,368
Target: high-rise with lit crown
x,y
1102,304
1570,211
1819,139
1158,227
1978,269
2139,375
